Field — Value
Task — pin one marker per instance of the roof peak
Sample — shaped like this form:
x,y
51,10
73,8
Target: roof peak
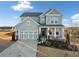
x,y
39,13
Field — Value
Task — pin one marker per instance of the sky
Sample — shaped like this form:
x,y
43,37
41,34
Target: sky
x,y
10,11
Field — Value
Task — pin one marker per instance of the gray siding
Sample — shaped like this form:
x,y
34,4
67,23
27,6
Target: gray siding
x,y
27,26
42,20
53,20
37,19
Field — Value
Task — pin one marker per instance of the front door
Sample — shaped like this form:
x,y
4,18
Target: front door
x,y
43,31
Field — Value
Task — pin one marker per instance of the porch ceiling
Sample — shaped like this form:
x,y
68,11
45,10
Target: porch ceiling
x,y
52,25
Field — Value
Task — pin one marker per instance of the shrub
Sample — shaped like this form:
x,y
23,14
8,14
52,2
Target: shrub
x,y
13,36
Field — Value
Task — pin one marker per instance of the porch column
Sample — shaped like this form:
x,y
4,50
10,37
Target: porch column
x,y
39,30
55,32
63,33
47,32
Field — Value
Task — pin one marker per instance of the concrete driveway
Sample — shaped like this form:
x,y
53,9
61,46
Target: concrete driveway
x,y
27,48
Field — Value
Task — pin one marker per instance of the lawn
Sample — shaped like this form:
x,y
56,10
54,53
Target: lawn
x,y
44,51
5,40
5,36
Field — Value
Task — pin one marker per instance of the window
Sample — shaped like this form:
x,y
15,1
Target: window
x,y
28,22
55,21
50,32
52,22
57,33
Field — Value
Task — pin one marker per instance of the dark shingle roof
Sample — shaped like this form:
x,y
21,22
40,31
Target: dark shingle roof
x,y
31,14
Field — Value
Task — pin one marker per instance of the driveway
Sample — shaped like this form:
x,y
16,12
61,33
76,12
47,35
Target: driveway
x,y
5,44
25,48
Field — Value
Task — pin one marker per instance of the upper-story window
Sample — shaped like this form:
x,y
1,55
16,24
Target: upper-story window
x,y
42,20
28,22
55,22
52,21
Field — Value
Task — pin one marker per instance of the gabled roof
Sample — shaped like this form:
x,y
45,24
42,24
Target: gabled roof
x,y
52,11
27,18
36,14
31,14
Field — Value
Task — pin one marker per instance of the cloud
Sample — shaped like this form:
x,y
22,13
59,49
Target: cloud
x,y
67,25
22,5
66,22
75,21
75,17
15,17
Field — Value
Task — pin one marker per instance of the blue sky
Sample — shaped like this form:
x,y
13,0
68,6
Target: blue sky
x,y
11,10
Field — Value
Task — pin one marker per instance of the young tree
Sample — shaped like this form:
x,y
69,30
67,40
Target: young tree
x,y
68,38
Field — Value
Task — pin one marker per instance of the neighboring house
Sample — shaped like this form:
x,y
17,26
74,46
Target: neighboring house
x,y
35,23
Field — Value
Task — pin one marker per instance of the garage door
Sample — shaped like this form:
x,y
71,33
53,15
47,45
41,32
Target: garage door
x,y
28,35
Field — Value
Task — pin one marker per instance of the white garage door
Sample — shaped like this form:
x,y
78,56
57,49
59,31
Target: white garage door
x,y
28,35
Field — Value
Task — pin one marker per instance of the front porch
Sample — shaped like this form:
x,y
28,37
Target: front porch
x,y
52,32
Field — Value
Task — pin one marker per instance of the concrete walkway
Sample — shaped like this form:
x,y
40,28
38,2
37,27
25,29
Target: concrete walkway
x,y
27,48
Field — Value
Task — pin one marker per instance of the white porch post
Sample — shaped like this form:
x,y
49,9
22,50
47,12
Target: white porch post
x,y
55,32
39,30
47,33
63,33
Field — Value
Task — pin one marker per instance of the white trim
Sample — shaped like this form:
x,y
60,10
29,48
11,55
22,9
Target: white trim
x,y
34,21
63,37
52,26
55,32
44,13
52,10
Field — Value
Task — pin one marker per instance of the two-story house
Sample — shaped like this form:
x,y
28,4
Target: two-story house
x,y
35,23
